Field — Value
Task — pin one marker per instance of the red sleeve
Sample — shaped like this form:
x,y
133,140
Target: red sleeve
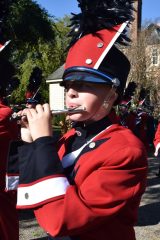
x,y
113,117
8,130
5,112
104,193
157,136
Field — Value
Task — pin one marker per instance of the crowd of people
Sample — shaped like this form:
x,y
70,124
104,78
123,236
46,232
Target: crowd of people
x,y
88,184
140,120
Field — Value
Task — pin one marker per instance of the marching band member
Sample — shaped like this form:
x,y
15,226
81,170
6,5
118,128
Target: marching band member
x,y
9,226
157,145
9,222
157,140
127,117
88,185
32,95
142,118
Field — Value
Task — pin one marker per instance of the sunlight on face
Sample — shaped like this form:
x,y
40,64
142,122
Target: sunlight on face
x,y
88,95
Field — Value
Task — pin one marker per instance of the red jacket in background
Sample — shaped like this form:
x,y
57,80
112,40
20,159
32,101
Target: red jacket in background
x,y
9,222
157,136
8,132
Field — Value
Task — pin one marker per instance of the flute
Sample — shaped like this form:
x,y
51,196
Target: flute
x,y
16,116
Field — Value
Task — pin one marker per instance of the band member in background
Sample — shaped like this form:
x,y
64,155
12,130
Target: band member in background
x,y
127,116
157,145
9,226
33,95
142,128
33,101
89,184
141,125
157,140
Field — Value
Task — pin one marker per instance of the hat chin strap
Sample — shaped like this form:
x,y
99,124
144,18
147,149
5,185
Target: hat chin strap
x,y
110,98
105,104
109,101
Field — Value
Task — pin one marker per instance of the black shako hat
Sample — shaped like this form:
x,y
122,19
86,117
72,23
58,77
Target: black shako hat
x,y
93,56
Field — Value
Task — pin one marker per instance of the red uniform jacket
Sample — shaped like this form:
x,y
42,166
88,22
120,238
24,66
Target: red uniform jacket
x,y
102,202
141,128
8,132
9,225
157,136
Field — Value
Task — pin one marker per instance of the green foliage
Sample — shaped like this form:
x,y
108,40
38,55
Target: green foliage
x,y
62,39
59,118
36,40
27,22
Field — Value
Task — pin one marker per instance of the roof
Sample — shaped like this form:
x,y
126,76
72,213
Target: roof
x,y
57,74
154,34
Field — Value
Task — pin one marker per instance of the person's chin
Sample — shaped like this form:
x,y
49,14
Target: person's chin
x,y
77,117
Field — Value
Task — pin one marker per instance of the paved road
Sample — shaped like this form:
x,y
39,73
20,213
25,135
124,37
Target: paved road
x,y
147,228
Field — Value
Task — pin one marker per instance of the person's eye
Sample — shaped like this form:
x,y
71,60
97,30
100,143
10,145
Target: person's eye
x,y
79,86
65,88
87,86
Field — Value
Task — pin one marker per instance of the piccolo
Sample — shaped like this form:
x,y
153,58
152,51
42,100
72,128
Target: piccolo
x,y
16,116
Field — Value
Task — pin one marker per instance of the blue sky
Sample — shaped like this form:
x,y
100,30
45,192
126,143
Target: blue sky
x,y
59,8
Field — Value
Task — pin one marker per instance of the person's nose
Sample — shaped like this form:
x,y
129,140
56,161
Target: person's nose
x,y
72,93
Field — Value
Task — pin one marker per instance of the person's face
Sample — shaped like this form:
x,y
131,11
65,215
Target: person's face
x,y
89,96
30,105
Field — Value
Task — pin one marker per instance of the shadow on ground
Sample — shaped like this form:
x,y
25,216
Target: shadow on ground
x,y
26,215
46,238
149,214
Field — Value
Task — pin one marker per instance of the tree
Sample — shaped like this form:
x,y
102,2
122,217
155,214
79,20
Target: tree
x,y
37,39
25,23
143,72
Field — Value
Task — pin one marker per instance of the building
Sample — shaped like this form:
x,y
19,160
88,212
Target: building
x,y
153,62
56,92
153,49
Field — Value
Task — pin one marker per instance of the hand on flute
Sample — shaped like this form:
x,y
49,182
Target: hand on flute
x,y
37,121
25,132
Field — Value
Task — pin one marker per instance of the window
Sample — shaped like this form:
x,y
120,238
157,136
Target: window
x,y
155,56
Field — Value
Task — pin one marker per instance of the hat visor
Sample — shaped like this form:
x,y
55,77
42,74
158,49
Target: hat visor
x,y
31,101
86,75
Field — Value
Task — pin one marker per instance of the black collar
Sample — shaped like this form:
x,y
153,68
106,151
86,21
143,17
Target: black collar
x,y
85,133
89,131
